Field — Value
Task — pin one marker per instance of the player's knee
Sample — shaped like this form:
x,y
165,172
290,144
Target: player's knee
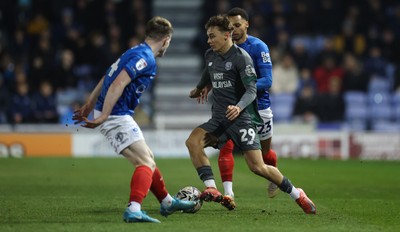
x,y
257,169
143,159
192,144
148,160
188,143
151,164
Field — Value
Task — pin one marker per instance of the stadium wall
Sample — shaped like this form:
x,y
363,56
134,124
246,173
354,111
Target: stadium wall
x,y
170,143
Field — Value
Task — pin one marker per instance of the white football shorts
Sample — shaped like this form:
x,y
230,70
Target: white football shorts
x,y
120,131
265,131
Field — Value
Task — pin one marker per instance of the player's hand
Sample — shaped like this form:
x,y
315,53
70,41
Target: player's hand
x,y
200,94
195,93
81,113
204,94
92,123
232,112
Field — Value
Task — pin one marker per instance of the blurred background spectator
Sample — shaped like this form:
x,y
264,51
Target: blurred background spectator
x,y
52,53
45,110
4,100
285,76
328,55
330,103
306,105
342,53
22,104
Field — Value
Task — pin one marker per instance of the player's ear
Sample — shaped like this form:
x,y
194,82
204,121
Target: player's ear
x,y
166,40
246,24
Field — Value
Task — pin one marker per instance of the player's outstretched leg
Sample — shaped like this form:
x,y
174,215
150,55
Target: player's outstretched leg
x,y
256,164
139,216
140,184
271,159
211,194
168,204
226,163
305,203
228,202
176,205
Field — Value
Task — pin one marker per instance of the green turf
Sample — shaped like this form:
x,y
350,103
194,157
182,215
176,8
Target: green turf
x,y
77,194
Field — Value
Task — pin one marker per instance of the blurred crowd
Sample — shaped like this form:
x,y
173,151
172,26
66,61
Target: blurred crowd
x,y
52,53
322,50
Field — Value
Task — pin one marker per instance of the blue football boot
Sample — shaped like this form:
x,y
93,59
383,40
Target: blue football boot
x,y
140,216
176,205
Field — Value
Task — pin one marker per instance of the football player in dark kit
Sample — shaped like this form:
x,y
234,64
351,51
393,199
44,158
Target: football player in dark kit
x,y
230,71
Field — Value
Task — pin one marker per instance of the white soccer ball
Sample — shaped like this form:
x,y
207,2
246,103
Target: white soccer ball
x,y
190,193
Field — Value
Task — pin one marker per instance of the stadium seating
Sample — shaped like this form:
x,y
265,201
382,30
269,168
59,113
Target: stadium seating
x,y
354,126
282,112
356,113
379,98
396,99
385,126
382,112
283,98
396,106
355,110
379,85
282,107
355,97
396,114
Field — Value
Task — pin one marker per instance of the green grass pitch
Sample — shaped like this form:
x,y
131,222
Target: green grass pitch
x,y
90,194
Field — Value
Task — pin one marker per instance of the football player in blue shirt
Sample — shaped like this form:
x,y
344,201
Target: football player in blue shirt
x,y
114,100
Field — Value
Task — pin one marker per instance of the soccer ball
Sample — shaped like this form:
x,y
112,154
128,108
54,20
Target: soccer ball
x,y
190,193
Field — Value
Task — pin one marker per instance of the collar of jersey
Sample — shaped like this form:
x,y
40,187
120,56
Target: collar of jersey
x,y
231,51
146,44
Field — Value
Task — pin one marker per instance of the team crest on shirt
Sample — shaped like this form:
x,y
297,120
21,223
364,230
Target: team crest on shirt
x,y
250,71
228,66
141,64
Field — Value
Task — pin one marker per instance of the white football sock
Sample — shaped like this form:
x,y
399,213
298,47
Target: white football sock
x,y
295,194
210,183
134,206
167,201
228,188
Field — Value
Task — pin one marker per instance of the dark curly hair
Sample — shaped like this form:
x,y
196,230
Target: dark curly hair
x,y
220,21
238,11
